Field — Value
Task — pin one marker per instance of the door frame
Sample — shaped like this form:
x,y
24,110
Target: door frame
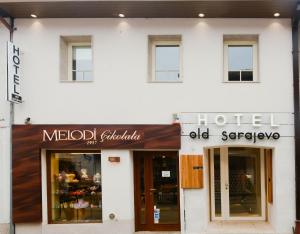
x,y
148,177
224,173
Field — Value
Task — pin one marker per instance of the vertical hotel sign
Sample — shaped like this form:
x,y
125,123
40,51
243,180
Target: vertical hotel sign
x,y
13,73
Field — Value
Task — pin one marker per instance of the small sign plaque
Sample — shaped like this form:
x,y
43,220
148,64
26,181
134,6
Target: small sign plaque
x,y
165,174
114,159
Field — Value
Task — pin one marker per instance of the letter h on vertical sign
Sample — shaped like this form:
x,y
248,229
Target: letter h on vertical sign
x,y
13,73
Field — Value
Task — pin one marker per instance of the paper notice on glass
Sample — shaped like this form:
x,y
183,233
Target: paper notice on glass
x,y
165,174
156,215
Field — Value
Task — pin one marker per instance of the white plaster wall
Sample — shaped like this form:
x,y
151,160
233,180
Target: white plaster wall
x,y
120,94
117,180
284,187
4,137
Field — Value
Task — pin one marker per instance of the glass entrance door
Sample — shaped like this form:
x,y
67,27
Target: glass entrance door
x,y
244,182
237,183
156,191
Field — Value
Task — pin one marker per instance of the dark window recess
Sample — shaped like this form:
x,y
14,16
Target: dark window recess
x,y
247,75
233,76
73,68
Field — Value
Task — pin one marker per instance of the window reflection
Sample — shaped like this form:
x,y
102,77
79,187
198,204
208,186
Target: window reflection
x,y
245,182
81,63
240,63
167,62
75,187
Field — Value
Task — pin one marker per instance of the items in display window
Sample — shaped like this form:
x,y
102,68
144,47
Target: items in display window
x,y
97,178
84,174
76,194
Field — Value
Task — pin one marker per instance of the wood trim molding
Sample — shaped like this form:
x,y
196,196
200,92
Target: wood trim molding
x,y
150,9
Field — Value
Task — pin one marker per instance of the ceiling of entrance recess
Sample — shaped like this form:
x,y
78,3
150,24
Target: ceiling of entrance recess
x,y
148,9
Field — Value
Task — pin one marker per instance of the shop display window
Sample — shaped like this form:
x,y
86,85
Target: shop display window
x,y
74,187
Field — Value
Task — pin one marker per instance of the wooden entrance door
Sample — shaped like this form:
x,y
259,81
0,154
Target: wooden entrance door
x,y
156,191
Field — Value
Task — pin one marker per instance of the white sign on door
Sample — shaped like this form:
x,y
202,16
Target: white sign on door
x,y
165,174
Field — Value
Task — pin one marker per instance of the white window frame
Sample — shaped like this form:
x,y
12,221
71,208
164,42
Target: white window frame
x,y
70,58
254,45
152,66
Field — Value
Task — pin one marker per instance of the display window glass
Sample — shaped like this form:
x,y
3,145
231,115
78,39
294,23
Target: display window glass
x,y
74,187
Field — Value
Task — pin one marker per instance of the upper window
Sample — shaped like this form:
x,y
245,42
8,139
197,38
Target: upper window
x,y
165,58
81,67
76,58
240,59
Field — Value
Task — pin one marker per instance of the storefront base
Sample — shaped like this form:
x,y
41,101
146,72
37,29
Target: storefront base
x,y
4,228
127,227
112,227
241,227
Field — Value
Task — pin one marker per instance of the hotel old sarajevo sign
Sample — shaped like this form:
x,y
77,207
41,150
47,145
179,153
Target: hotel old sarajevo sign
x,y
99,136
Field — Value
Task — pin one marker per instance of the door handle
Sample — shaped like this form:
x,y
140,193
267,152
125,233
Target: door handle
x,y
152,189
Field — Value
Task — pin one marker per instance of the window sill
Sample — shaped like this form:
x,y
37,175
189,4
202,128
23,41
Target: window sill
x,y
241,82
157,81
76,81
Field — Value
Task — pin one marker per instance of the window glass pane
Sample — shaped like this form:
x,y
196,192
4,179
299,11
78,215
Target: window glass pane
x,y
244,182
240,58
77,75
165,194
76,194
142,188
167,62
234,75
247,75
81,62
217,182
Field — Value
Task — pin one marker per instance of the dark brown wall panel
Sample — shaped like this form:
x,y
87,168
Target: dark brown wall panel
x,y
28,142
27,195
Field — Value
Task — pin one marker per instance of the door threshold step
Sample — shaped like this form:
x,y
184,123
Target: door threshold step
x,y
157,232
239,227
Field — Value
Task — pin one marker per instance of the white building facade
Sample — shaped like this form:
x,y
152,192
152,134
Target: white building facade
x,y
233,170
